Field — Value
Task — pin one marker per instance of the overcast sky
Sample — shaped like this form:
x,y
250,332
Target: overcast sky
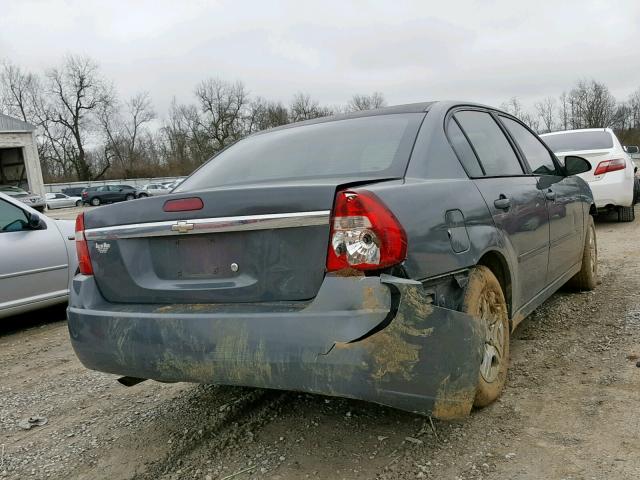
x,y
484,51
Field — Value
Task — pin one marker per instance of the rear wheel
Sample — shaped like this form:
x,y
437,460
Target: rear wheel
x,y
626,214
78,203
129,197
636,190
484,300
587,277
95,201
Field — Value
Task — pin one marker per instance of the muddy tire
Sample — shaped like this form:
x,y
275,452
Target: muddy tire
x,y
587,277
626,214
79,203
484,300
95,201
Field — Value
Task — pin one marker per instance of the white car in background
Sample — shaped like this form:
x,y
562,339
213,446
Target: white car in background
x,y
60,200
611,177
153,189
37,258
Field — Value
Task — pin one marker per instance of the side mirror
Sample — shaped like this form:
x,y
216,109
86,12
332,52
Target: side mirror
x,y
36,223
574,165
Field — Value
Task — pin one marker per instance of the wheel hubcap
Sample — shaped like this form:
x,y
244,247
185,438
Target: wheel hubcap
x,y
491,318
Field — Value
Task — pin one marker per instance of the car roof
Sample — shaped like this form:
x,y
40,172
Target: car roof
x,y
420,107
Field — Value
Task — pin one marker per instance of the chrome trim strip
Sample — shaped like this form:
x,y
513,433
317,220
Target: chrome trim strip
x,y
211,225
21,302
35,270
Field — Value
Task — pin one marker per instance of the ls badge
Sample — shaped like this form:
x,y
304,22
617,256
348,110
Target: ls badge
x,y
103,247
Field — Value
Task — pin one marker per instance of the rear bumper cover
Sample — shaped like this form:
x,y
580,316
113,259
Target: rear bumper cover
x,y
372,338
615,188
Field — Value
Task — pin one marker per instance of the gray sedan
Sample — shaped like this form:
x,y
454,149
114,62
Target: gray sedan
x,y
384,255
37,258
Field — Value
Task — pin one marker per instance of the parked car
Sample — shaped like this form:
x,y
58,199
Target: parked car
x,y
60,200
33,200
383,255
38,258
108,194
612,177
171,185
73,191
152,189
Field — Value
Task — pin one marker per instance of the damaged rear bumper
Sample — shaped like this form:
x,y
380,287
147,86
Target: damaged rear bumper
x,y
372,338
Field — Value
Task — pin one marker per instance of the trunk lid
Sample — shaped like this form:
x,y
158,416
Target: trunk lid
x,y
251,243
594,157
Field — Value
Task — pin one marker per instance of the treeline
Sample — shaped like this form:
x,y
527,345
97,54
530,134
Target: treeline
x,y
85,131
589,104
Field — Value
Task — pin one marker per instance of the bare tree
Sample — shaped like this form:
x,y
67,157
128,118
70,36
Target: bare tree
x,y
546,109
18,91
592,105
515,108
263,114
564,111
223,108
366,102
123,132
76,92
304,108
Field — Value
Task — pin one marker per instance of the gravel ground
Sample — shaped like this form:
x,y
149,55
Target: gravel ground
x,y
570,410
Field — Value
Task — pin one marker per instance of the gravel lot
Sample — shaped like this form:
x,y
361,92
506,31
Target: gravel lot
x,y
571,409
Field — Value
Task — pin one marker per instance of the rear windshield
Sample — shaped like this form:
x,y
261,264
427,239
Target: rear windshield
x,y
376,147
568,142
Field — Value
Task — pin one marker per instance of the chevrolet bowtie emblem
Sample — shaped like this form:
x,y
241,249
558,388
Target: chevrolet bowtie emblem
x,y
182,227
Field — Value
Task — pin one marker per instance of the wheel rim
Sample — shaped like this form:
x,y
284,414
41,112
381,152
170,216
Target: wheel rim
x,y
493,352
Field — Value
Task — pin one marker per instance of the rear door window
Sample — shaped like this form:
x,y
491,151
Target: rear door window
x,y
463,150
497,157
536,154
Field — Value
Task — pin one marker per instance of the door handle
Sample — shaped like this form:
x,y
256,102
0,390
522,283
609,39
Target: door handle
x,y
551,195
502,203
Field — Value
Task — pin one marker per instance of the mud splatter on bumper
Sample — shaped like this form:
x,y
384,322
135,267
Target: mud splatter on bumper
x,y
372,338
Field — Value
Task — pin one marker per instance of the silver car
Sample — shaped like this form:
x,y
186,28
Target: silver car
x,y
37,258
153,189
31,199
60,200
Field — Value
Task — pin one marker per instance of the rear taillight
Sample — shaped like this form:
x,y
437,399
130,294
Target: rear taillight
x,y
183,204
365,235
82,249
610,166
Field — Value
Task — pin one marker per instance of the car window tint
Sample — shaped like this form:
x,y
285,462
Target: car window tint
x,y
538,157
102,189
59,195
10,216
463,150
494,150
376,146
572,141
